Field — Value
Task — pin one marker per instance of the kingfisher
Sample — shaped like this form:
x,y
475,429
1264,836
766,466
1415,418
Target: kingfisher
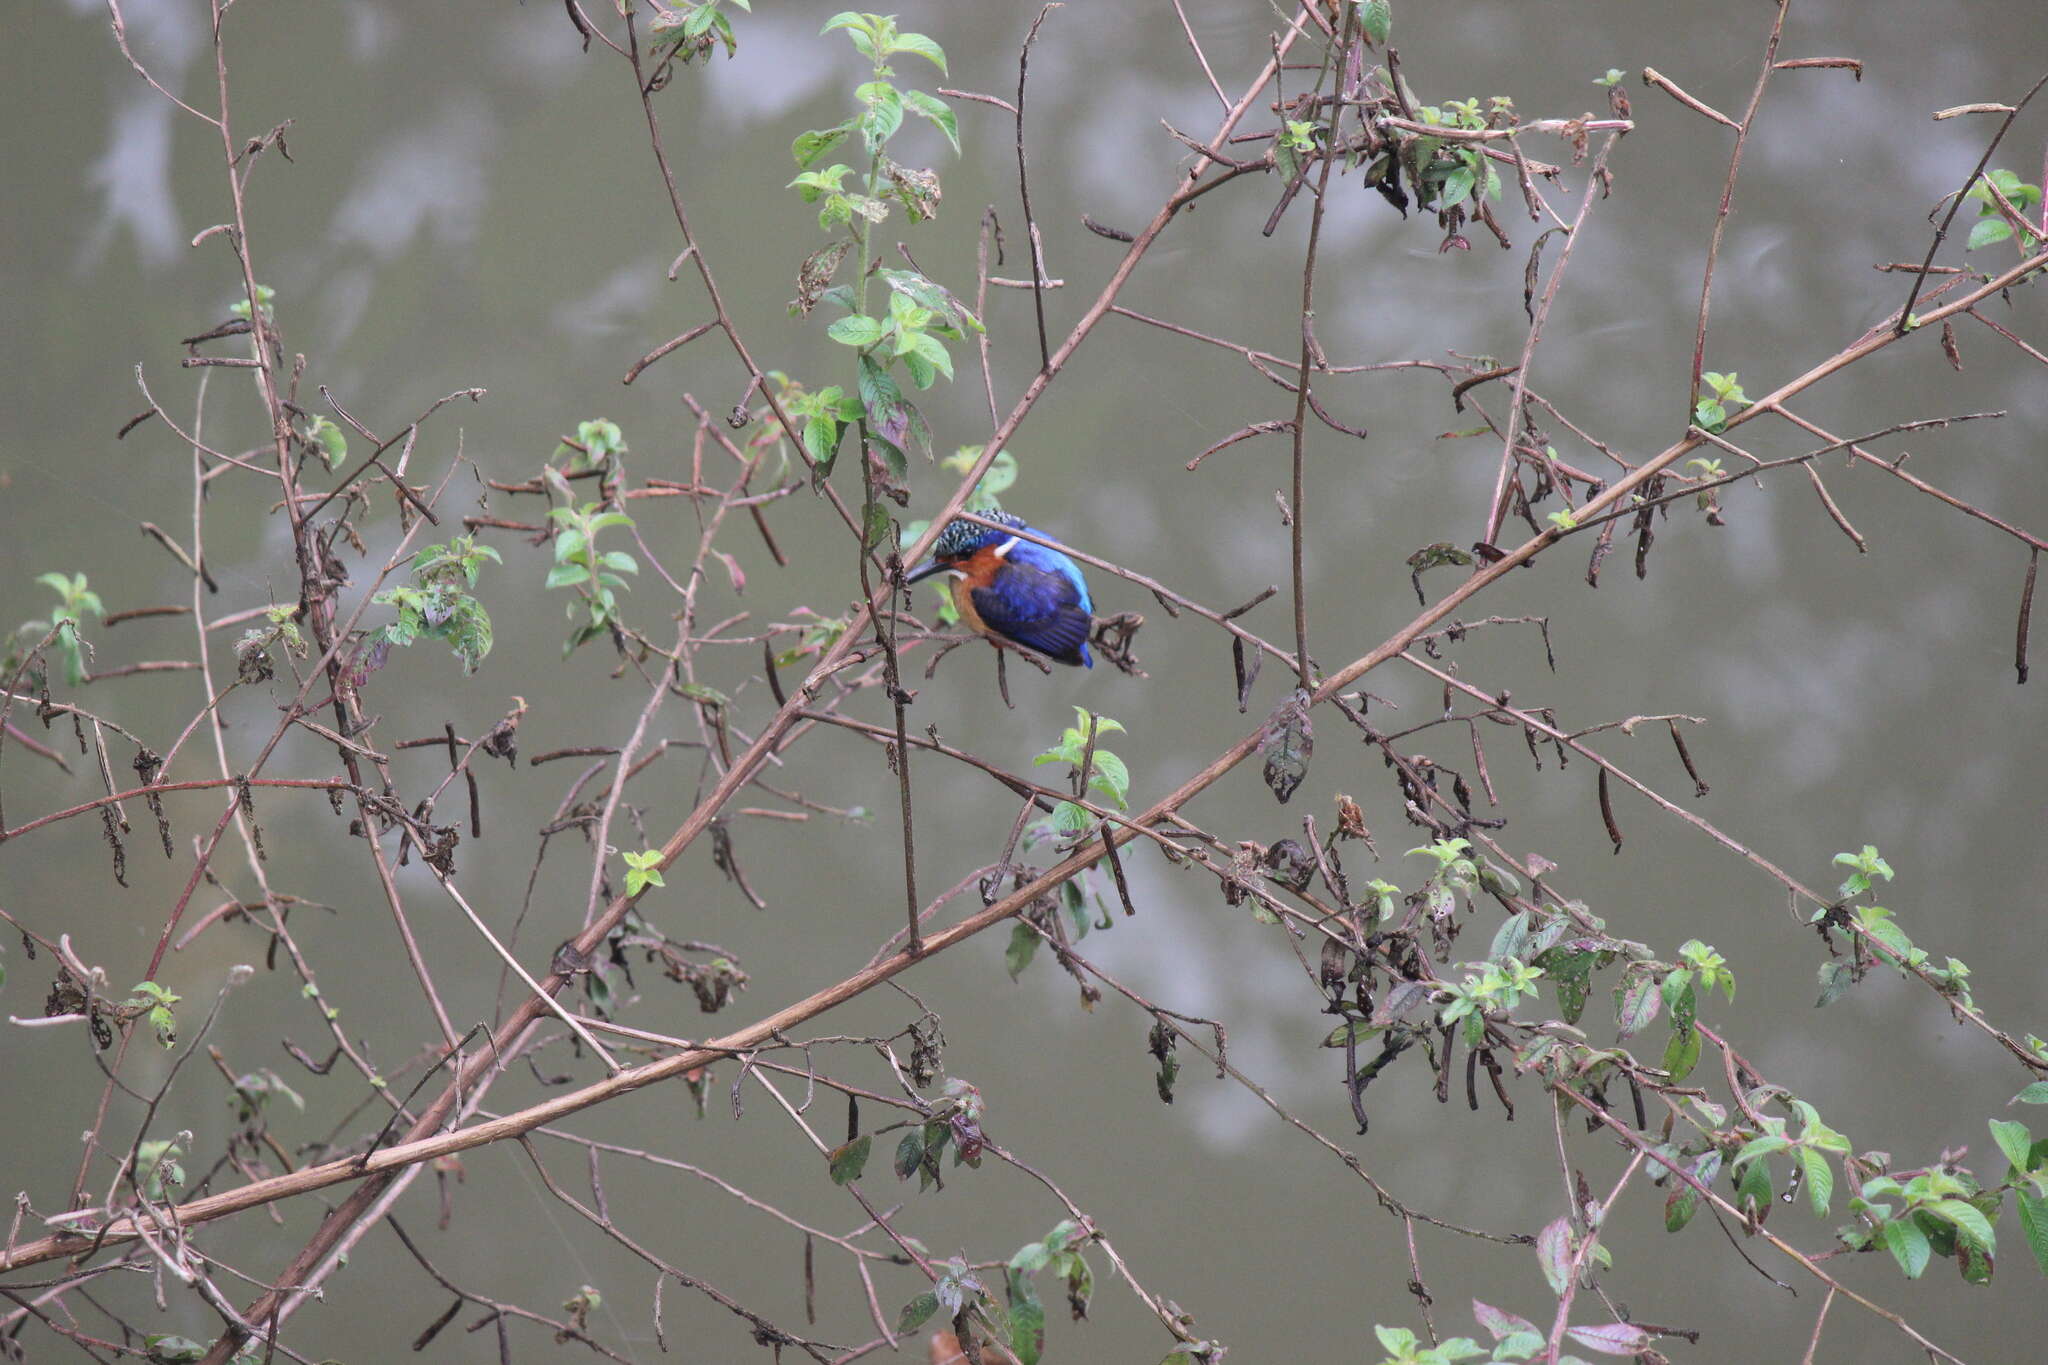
x,y
1008,587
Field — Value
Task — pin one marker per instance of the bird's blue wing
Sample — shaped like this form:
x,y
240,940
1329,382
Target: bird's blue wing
x,y
1042,609
1024,554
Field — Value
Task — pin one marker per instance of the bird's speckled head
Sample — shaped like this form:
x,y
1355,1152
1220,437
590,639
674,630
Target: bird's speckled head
x,y
962,538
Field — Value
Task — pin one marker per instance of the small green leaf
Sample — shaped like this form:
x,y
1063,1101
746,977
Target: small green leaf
x,y
909,1155
2014,1140
1022,948
932,349
1766,1145
922,46
1682,1053
1027,1311
917,1312
1988,232
1753,1189
1835,978
858,330
1968,1219
1820,1180
1679,1207
1457,187
933,108
1572,975
884,112
847,1161
1908,1245
1378,18
2033,1214
810,146
1398,1342
1353,1031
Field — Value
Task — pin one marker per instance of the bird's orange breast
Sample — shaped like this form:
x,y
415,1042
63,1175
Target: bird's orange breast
x,y
978,570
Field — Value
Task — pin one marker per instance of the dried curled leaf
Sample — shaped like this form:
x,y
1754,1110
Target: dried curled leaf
x,y
1287,743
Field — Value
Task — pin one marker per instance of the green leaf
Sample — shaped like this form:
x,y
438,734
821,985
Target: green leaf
x,y
1572,975
1353,1031
1457,186
922,46
1766,1145
1022,948
2033,1214
1068,818
884,112
1886,931
2037,1093
1988,232
1753,1190
935,109
932,349
1820,1180
1377,16
567,575
821,440
333,445
2014,1140
917,1312
847,1161
1027,1311
1968,1219
858,330
1286,161
1679,1207
1682,1053
1511,939
1835,978
1111,777
810,146
1908,1245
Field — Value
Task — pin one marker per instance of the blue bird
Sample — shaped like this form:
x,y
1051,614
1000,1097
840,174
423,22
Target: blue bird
x,y
1010,588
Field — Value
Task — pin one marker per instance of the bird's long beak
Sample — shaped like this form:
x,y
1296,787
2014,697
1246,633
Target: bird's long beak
x,y
924,571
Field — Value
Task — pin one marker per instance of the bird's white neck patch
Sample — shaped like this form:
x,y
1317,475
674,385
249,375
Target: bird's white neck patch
x,y
1003,550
